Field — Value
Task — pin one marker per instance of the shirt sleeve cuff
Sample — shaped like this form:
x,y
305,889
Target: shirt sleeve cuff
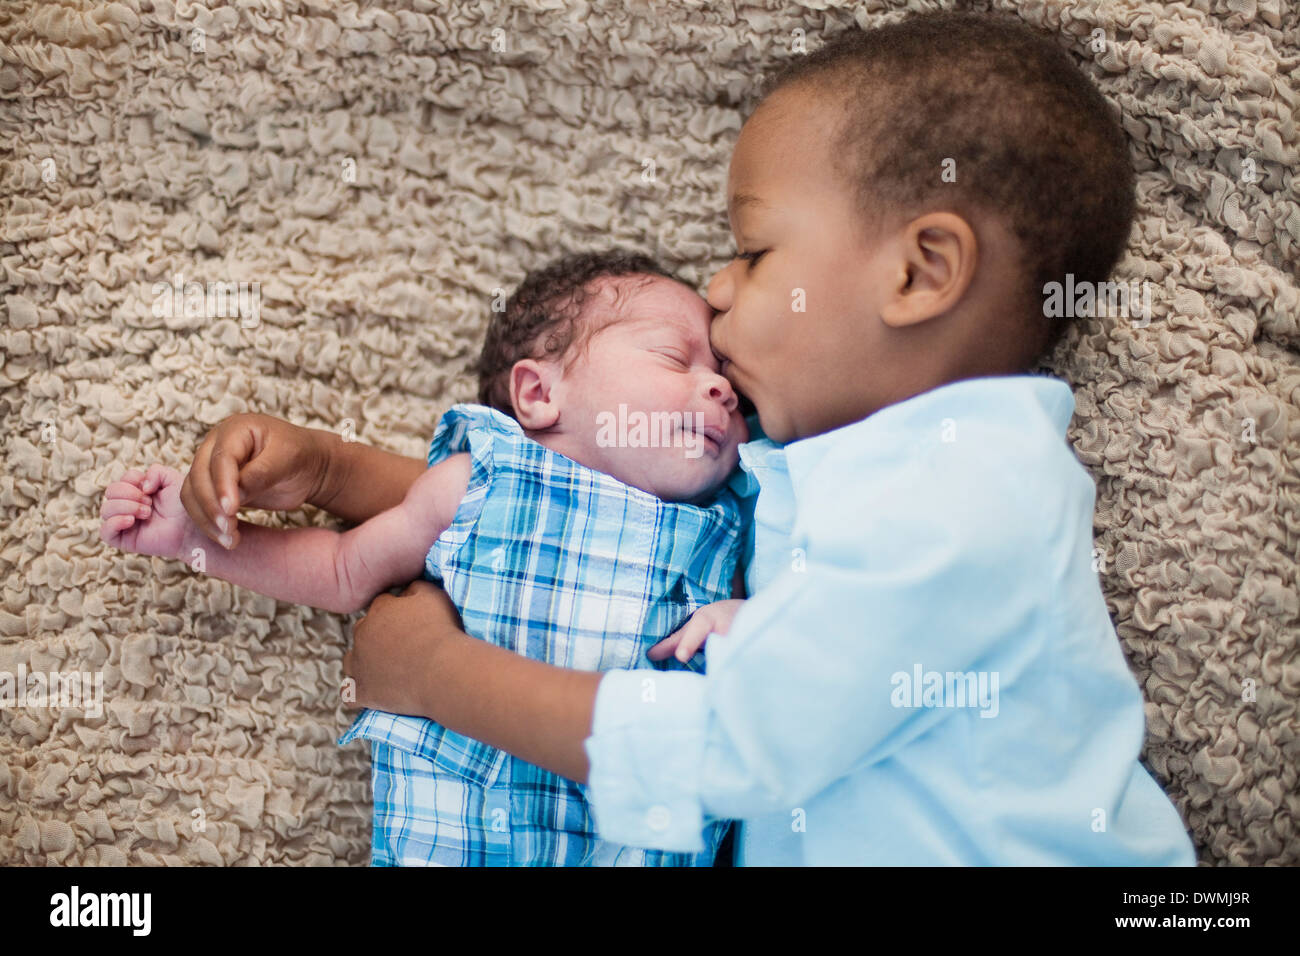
x,y
645,752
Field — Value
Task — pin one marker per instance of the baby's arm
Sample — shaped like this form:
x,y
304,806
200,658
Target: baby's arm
x,y
713,618
313,566
390,548
343,572
686,641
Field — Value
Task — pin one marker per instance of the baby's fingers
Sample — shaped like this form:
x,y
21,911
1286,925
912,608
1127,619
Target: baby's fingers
x,y
114,527
691,643
122,491
664,649
115,507
154,479
689,637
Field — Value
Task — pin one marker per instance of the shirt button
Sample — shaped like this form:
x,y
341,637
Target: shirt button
x,y
658,817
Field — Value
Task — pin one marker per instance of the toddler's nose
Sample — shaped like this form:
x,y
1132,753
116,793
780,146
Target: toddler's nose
x,y
718,293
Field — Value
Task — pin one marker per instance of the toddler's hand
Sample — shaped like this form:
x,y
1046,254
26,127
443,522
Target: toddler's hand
x,y
142,513
690,637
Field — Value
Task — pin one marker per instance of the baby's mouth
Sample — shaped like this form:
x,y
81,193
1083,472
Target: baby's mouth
x,y
715,435
714,438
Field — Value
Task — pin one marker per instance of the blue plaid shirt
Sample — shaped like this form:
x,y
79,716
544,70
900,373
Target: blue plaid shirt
x,y
566,565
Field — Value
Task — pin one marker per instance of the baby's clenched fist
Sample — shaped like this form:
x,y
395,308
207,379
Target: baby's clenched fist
x,y
142,513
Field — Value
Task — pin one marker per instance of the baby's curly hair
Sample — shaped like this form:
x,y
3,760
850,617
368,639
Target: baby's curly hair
x,y
1033,140
544,317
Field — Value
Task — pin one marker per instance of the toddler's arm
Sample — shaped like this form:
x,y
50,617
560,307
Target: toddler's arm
x,y
313,566
257,461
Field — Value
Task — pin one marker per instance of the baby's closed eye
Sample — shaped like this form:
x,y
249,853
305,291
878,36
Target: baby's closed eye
x,y
674,355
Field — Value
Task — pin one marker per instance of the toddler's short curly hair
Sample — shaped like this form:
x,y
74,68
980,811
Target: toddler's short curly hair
x,y
544,317
1032,139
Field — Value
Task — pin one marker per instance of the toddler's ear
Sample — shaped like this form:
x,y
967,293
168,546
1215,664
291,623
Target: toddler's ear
x,y
936,267
530,394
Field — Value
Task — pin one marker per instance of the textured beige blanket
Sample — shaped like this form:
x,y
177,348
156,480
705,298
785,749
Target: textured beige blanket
x,y
382,173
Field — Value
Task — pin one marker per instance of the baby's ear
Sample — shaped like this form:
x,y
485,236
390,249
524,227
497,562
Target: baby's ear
x,y
530,394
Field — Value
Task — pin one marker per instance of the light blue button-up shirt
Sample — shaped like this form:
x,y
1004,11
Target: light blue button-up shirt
x,y
926,672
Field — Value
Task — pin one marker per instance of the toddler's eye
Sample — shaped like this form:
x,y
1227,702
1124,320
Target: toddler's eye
x,y
751,257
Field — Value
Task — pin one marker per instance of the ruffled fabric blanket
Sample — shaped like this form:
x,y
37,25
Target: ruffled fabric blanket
x,y
382,173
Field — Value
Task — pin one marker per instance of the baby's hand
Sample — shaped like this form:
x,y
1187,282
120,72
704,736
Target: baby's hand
x,y
690,637
143,513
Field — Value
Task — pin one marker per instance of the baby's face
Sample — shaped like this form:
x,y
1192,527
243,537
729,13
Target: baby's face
x,y
794,328
646,401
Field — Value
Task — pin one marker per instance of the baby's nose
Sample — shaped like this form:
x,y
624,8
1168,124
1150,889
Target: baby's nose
x,y
720,390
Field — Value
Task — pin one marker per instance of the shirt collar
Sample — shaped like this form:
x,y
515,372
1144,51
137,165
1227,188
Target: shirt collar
x,y
1009,397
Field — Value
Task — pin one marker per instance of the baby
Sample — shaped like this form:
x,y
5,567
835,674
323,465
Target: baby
x,y
580,508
